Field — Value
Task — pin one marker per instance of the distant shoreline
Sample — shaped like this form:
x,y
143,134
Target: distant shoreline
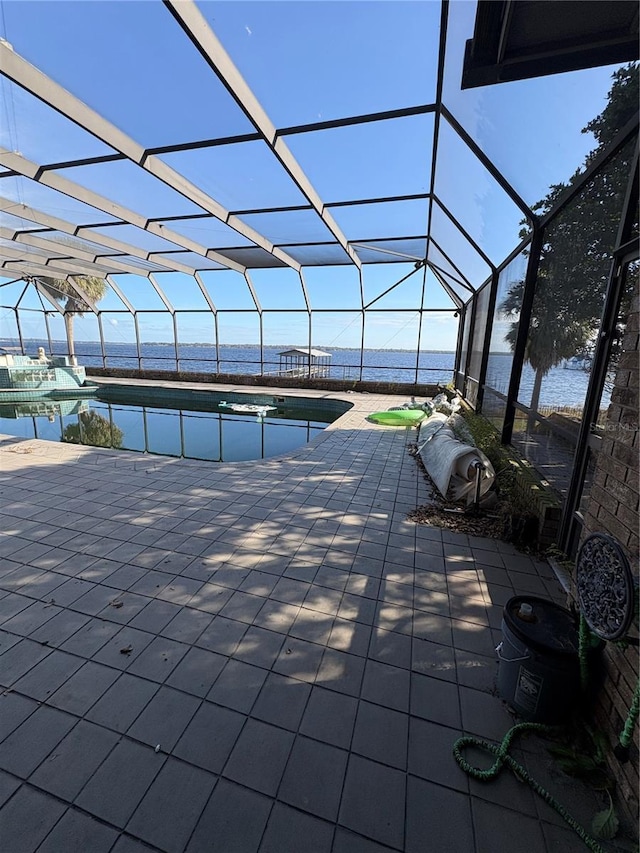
x,y
238,346
276,347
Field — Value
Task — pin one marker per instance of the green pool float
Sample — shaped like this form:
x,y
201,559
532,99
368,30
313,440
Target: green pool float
x,y
399,417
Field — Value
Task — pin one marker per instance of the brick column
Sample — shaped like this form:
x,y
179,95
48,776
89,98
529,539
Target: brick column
x,y
613,509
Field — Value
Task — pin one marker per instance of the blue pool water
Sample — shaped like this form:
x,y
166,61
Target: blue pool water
x,y
191,426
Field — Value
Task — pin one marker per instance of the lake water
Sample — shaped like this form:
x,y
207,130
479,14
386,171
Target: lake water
x,y
561,387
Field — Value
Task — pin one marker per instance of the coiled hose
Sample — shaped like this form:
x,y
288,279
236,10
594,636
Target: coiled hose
x,y
502,751
502,757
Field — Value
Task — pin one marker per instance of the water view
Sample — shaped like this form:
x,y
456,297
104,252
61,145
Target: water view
x,y
561,387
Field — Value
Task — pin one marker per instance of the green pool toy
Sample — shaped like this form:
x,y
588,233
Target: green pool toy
x,y
399,417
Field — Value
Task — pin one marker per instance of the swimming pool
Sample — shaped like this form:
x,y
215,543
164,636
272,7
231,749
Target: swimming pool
x,y
170,422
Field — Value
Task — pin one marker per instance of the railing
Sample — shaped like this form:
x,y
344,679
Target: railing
x,y
186,362
320,371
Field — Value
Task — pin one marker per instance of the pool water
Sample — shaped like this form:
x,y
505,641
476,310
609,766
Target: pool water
x,y
190,425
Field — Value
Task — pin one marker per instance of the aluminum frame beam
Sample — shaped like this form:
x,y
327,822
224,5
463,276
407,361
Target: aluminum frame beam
x,y
43,294
371,302
74,284
444,20
606,337
197,29
121,296
402,256
69,188
17,251
33,268
463,281
84,232
34,81
83,294
464,233
10,256
495,173
101,263
453,296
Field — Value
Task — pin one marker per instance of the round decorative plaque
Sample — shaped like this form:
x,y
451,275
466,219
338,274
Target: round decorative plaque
x,y
606,589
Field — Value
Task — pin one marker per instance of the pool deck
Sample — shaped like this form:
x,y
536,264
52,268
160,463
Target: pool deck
x,y
258,657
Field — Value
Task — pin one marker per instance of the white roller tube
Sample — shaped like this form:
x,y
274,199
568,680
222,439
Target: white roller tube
x,y
453,465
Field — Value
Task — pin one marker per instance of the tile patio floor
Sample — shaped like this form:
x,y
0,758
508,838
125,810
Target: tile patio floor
x,y
253,657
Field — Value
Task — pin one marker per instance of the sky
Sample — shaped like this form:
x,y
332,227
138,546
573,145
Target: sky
x,y
306,62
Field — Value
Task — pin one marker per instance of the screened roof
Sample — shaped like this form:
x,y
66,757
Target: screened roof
x,y
269,138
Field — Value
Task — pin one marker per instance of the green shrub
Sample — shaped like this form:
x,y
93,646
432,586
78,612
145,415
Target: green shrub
x,y
518,507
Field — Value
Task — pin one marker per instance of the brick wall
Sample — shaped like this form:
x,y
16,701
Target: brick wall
x,y
613,509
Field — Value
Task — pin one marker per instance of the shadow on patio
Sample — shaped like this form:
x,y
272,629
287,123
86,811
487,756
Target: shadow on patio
x,y
247,658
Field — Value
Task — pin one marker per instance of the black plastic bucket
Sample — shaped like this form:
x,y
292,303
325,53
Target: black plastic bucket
x,y
539,669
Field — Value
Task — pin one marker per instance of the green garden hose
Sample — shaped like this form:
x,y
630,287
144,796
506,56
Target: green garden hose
x,y
584,639
621,750
502,757
502,751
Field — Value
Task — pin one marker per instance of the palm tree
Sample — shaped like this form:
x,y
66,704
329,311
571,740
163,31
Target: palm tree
x,y
62,291
576,256
556,332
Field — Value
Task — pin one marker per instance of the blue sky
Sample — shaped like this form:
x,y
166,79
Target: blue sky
x,y
306,62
